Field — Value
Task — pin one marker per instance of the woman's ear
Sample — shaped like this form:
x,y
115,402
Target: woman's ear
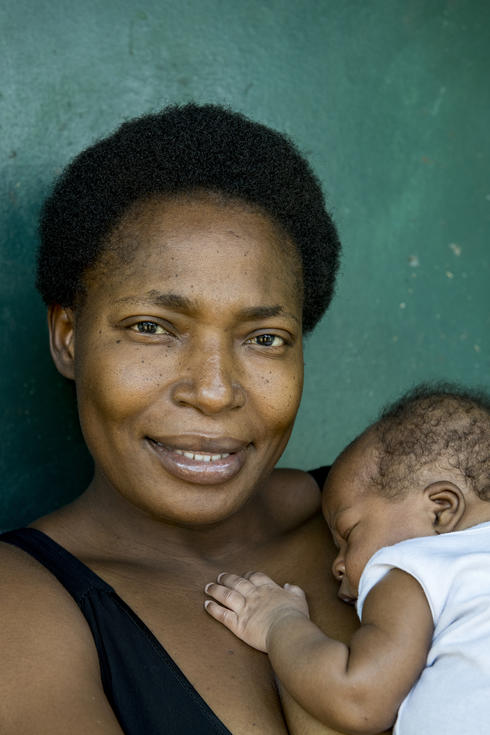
x,y
447,505
61,323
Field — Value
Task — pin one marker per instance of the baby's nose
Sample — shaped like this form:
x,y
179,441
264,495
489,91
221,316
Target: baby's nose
x,y
338,567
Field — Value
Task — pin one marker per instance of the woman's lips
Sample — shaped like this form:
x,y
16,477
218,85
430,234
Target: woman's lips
x,y
201,460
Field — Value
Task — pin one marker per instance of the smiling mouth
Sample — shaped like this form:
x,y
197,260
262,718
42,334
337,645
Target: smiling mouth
x,y
203,465
198,456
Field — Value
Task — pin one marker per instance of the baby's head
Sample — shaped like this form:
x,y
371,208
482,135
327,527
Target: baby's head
x,y
422,469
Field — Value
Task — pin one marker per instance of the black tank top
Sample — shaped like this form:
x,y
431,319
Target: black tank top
x,y
144,686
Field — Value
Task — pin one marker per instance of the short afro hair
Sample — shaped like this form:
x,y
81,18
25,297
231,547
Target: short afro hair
x,y
180,150
434,422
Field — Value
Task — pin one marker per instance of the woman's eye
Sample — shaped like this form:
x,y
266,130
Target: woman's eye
x,y
267,340
148,327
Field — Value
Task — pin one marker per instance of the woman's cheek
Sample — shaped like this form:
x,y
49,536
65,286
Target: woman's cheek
x,y
119,383
278,395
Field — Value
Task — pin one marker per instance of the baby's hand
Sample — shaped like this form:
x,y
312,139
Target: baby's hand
x,y
251,605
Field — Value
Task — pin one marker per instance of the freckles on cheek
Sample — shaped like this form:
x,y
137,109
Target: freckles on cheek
x,y
279,399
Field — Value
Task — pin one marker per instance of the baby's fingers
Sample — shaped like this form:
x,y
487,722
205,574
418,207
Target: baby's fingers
x,y
258,578
230,598
227,617
234,581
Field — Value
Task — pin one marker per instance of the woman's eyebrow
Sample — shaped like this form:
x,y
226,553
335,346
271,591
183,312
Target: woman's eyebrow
x,y
182,303
157,298
263,312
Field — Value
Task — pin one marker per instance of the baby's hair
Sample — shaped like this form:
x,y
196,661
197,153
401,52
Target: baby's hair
x,y
434,422
181,150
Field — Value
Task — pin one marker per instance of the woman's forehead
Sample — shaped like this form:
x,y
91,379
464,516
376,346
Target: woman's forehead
x,y
163,216
185,246
188,219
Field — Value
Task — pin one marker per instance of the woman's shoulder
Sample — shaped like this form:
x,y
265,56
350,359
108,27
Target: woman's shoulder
x,y
32,601
291,497
47,649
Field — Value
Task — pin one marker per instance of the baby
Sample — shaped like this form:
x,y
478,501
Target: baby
x,y
408,507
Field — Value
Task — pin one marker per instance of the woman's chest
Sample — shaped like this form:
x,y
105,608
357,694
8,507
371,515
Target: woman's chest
x,y
233,679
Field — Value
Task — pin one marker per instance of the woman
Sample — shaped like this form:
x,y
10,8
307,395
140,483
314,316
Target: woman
x,y
181,260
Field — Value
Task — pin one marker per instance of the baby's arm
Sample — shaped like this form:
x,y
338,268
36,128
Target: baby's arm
x,y
356,688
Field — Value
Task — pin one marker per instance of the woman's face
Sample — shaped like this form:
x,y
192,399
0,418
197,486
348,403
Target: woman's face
x,y
188,357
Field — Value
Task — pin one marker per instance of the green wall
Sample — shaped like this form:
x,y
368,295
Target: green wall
x,y
389,99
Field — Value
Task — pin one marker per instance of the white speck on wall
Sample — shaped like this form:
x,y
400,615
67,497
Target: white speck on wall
x,y
449,274
403,305
477,348
455,248
413,261
437,102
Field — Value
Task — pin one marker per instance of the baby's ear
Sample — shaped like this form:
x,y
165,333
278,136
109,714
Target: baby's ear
x,y
61,323
447,505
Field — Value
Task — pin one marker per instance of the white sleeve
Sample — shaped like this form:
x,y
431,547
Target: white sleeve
x,y
402,556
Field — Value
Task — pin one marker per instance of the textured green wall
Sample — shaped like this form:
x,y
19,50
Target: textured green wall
x,y
390,101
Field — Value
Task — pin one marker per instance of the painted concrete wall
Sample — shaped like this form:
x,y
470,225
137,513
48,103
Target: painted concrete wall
x,y
389,100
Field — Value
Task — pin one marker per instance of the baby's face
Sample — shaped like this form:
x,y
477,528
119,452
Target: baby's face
x,y
362,521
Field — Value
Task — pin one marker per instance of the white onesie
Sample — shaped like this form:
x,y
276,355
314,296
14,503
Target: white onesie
x,y
452,695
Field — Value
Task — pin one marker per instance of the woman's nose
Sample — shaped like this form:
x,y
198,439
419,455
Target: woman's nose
x,y
209,382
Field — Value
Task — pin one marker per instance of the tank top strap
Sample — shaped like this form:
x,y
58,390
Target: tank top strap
x,y
75,576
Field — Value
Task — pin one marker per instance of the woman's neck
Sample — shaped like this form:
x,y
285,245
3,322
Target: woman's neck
x,y
106,524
